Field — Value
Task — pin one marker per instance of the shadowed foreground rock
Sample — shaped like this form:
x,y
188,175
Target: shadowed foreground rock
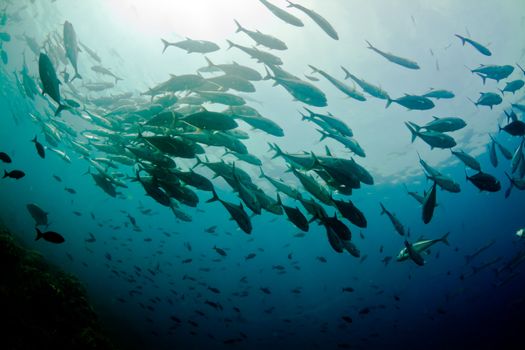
x,y
41,307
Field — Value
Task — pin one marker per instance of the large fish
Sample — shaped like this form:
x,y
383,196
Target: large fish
x,y
405,62
236,211
295,216
71,46
429,203
38,214
50,82
432,138
269,41
282,14
481,49
317,18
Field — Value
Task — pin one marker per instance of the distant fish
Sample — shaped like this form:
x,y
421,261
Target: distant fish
x,y
482,49
4,157
49,236
220,251
317,18
14,174
412,102
39,148
269,41
282,14
71,46
404,62
437,94
190,45
38,214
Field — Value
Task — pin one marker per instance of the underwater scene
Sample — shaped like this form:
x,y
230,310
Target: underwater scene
x,y
270,174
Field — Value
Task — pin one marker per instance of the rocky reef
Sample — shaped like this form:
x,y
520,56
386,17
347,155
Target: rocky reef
x,y
42,307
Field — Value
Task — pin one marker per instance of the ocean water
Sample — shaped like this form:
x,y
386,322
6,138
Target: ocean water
x,y
140,278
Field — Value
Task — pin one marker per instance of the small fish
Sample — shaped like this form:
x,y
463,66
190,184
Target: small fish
x,y
347,319
49,236
321,259
265,290
250,256
70,190
14,174
220,251
481,49
4,157
348,289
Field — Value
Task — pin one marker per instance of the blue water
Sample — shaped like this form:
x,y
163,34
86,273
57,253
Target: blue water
x,y
136,279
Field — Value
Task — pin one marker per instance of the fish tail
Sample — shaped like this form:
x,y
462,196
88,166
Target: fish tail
x,y
507,192
324,135
239,27
412,131
166,44
214,198
230,44
475,104
520,67
444,239
60,108
38,234
502,92
328,152
6,174
290,4
370,46
347,73
278,151
314,70
210,63
261,174
268,74
117,80
199,162
383,209
461,38
279,201
76,76
34,139
388,102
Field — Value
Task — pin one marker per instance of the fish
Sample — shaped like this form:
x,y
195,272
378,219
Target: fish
x,y
506,153
250,256
395,221
233,69
282,14
236,211
349,91
190,45
480,48
302,90
489,99
514,182
14,174
232,82
438,94
478,251
50,82
370,89
71,47
467,159
429,204
104,71
295,216
208,120
49,236
514,128
493,72
404,62
4,157
39,148
493,155
432,138
512,86
261,56
220,251
413,102
349,211
484,182
90,52
447,124
317,18
38,214
421,246
265,290
269,41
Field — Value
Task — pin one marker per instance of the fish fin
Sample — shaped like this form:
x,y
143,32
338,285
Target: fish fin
x,y
314,70
412,131
444,239
461,38
60,108
239,27
38,234
383,209
210,63
347,73
166,44
214,198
